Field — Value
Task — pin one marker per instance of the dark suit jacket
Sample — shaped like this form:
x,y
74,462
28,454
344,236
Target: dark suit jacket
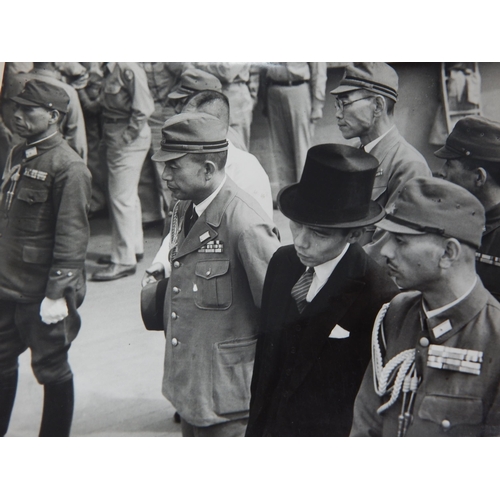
x,y
304,383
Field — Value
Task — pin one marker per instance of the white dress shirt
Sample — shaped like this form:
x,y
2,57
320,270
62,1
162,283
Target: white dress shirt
x,y
322,273
372,144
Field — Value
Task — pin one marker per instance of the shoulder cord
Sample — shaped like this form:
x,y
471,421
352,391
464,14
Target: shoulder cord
x,y
174,233
399,364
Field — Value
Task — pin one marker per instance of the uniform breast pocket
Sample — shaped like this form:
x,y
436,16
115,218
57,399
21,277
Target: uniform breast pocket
x,y
451,411
34,211
213,285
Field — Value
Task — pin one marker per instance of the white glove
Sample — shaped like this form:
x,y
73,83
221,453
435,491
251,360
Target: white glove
x,y
53,311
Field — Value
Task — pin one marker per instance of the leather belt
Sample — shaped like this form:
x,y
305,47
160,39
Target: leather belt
x,y
288,84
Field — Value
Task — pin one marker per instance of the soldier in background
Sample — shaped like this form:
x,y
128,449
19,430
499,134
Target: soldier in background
x,y
472,154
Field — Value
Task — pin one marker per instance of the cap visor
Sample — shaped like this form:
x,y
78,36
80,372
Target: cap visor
x,y
177,95
161,155
447,153
393,227
345,88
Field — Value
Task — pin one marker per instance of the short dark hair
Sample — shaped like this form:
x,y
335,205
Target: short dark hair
x,y
219,159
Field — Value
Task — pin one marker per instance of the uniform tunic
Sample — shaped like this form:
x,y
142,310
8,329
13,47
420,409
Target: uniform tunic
x,y
43,241
447,402
212,307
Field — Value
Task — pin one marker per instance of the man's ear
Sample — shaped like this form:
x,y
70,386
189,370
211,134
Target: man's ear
x,y
54,116
451,252
355,234
380,105
209,168
480,176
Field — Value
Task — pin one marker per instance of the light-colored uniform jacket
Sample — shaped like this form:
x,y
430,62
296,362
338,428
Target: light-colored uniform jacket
x,y
212,306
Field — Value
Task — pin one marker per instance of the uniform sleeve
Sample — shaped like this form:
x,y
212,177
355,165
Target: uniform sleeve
x,y
492,425
74,126
256,246
72,192
318,84
142,102
366,421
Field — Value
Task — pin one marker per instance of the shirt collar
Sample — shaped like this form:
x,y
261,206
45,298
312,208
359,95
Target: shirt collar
x,y
435,312
202,206
111,66
372,144
323,271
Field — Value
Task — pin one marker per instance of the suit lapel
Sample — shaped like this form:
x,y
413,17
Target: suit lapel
x,y
328,308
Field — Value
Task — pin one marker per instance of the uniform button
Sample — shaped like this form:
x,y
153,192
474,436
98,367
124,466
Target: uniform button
x,y
58,273
208,272
177,264
292,350
175,290
424,342
445,424
70,274
174,341
174,315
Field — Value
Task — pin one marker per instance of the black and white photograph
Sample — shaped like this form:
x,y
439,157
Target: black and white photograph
x,y
252,249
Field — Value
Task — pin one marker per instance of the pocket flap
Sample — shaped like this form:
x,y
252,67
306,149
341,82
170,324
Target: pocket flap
x,y
33,195
211,269
456,410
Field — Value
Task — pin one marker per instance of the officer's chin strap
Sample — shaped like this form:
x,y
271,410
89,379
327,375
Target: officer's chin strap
x,y
400,369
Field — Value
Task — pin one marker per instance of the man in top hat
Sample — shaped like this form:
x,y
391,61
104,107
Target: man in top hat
x,y
472,154
220,244
435,369
364,102
320,298
44,232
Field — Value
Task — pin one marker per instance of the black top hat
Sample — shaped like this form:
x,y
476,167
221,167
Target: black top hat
x,y
334,190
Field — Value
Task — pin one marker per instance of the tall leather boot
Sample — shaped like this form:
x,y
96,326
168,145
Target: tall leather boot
x,y
8,387
58,403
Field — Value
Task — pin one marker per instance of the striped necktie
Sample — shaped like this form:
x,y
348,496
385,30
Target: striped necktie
x,y
300,289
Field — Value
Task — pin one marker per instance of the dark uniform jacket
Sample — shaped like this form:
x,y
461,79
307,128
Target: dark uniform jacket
x,y
44,234
447,402
212,306
488,256
304,382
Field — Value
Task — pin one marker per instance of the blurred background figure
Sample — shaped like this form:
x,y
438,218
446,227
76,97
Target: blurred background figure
x,y
238,84
126,106
162,78
294,95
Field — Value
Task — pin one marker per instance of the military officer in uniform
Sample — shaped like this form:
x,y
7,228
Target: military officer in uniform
x,y
364,102
126,105
435,369
44,232
220,244
472,154
314,342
